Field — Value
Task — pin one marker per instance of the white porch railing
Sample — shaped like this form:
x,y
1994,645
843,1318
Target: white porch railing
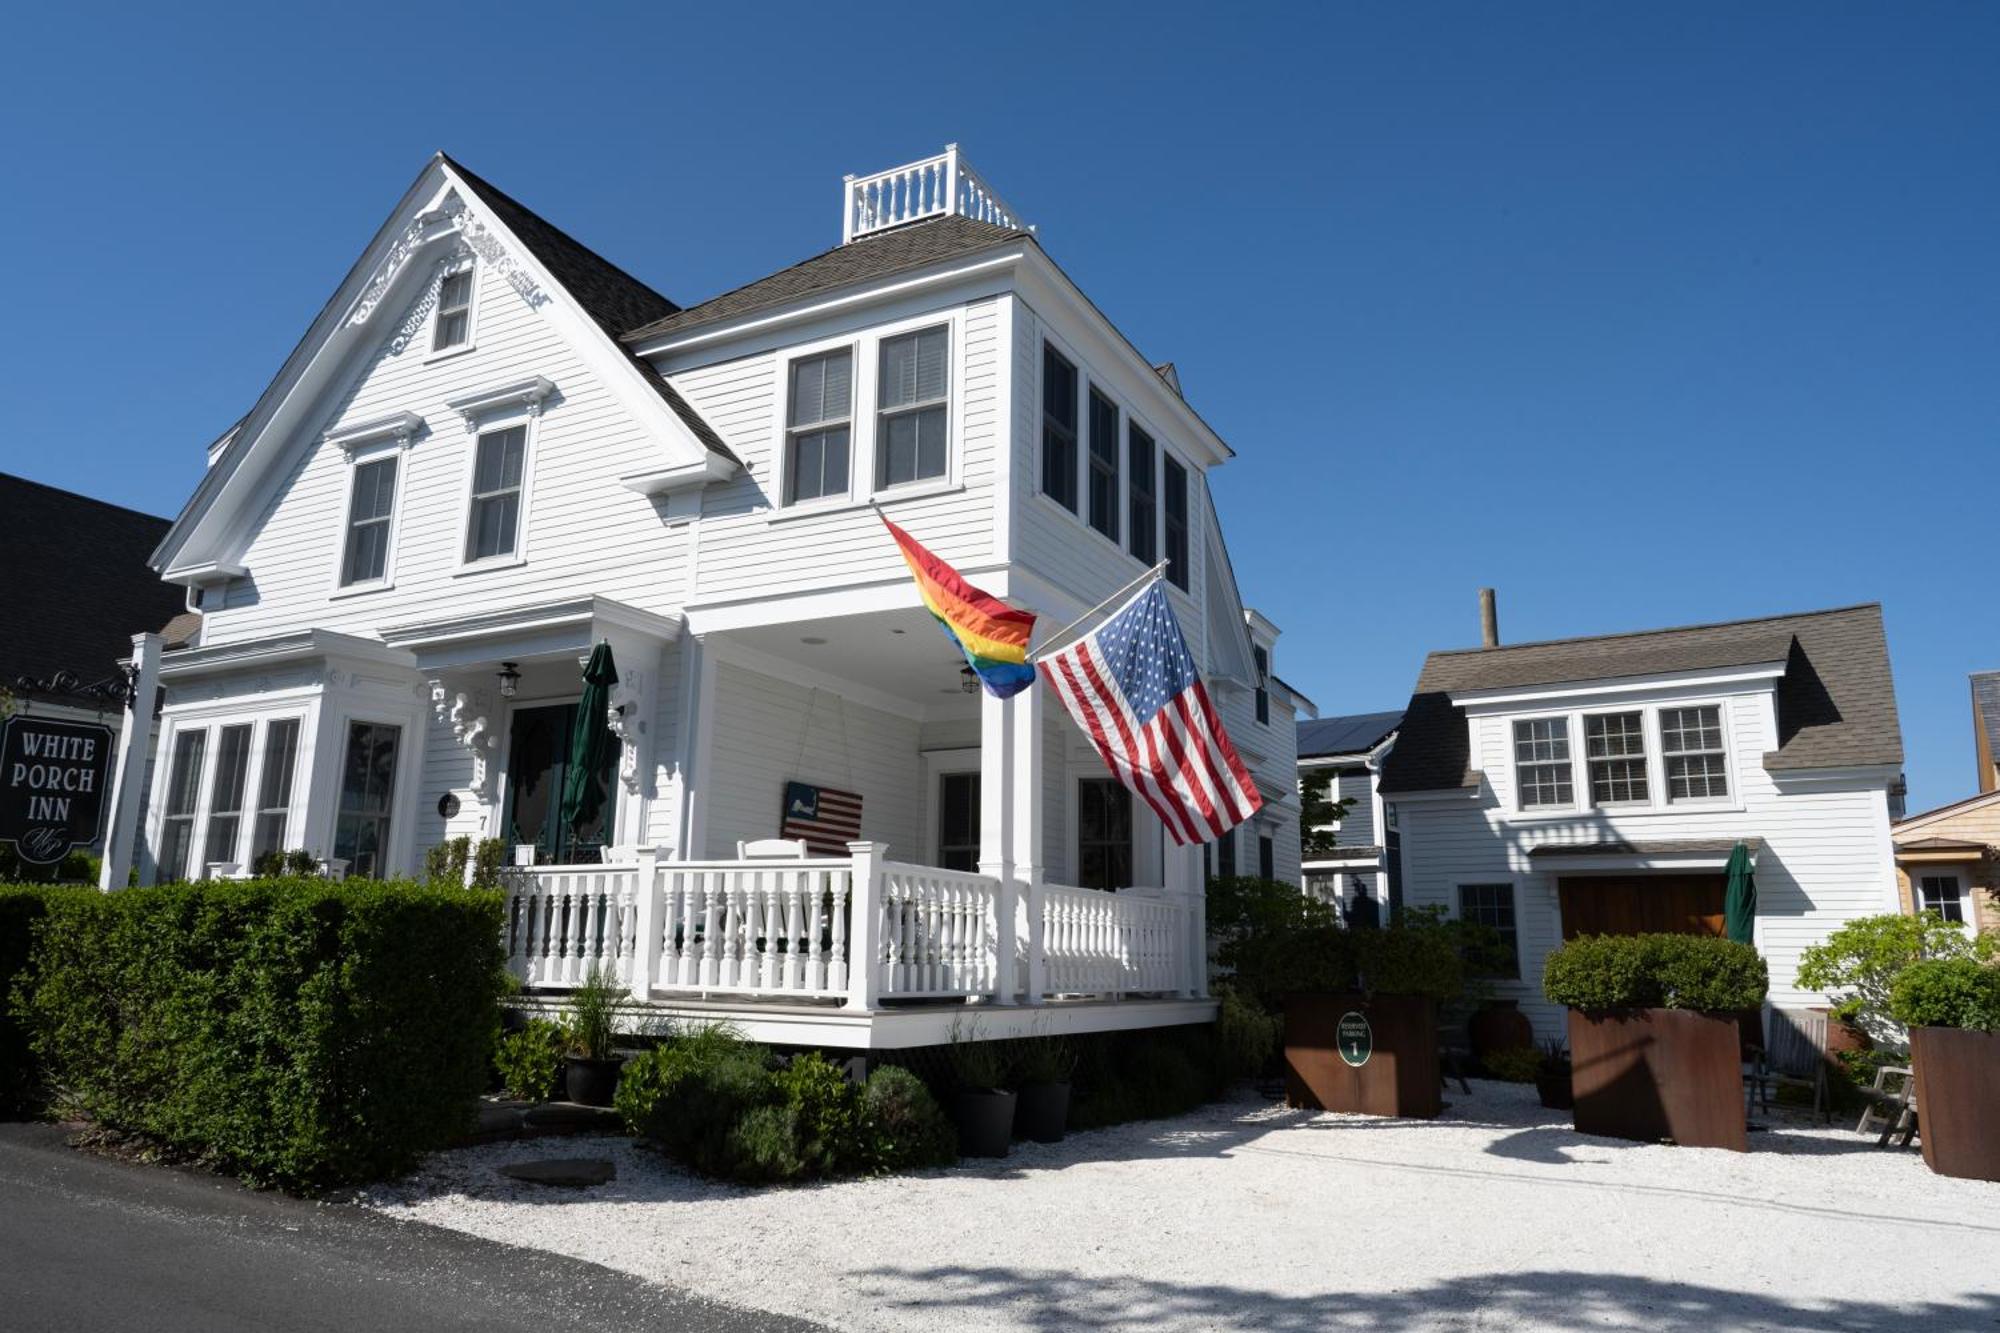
x,y
918,190
859,929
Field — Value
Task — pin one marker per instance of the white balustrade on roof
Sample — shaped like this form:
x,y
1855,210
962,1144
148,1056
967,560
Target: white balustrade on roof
x,y
933,187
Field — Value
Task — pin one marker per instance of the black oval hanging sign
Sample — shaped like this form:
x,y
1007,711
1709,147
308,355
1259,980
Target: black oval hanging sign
x,y
52,779
1354,1039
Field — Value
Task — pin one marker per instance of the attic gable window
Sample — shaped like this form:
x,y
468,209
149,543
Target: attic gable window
x,y
371,507
453,326
819,425
915,407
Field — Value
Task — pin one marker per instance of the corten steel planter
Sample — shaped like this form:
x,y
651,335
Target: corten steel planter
x,y
1369,1055
1958,1100
1653,1074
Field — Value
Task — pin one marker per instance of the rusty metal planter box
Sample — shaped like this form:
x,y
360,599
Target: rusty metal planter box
x,y
1653,1074
1958,1100
1396,1075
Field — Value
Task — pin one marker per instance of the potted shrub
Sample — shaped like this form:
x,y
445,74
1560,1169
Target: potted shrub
x,y
1857,967
1369,1043
1952,1009
1552,1076
981,1108
1042,1070
1656,1052
591,1075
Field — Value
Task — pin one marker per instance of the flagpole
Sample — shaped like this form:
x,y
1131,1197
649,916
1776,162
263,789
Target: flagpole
x,y
1152,573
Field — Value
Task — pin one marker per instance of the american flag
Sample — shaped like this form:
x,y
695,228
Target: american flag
x,y
827,820
1132,686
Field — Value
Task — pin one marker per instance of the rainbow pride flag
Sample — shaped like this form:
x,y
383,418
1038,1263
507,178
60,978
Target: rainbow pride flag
x,y
992,635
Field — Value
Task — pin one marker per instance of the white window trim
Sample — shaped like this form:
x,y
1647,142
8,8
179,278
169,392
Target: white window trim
x,y
1958,879
1656,776
466,264
372,450
171,732
482,419
1086,380
938,764
402,816
213,719
260,752
864,347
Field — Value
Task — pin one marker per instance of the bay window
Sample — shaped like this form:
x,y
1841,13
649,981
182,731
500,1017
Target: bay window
x,y
225,794
367,791
274,788
183,787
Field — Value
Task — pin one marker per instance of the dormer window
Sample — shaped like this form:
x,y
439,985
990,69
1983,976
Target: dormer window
x,y
1615,744
1541,763
1697,764
453,326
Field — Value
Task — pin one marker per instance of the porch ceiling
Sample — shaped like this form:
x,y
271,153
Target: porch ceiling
x,y
899,653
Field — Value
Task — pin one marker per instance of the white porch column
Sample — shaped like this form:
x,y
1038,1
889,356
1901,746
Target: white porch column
x,y
1183,882
1025,834
997,796
864,929
646,925
128,779
697,741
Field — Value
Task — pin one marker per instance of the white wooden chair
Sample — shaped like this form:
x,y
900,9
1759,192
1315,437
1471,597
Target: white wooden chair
x,y
773,849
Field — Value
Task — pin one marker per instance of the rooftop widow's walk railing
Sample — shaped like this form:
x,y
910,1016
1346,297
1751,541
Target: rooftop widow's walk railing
x,y
933,187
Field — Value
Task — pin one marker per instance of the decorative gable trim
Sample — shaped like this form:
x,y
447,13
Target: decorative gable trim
x,y
529,393
402,426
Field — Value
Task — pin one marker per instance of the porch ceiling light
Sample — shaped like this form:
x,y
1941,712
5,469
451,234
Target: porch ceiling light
x,y
510,679
968,683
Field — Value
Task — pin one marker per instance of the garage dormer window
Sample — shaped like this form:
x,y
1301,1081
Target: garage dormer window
x,y
371,508
1615,744
453,327
1542,764
1697,764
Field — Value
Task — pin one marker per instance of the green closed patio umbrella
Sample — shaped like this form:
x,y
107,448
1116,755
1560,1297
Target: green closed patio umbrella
x,y
1739,903
591,743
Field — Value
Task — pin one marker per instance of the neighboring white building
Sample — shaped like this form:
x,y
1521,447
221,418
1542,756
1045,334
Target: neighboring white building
x,y
1598,785
1342,758
493,449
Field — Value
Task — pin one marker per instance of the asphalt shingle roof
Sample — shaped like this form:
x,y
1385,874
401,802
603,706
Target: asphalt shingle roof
x,y
878,256
1352,734
78,587
1836,699
616,301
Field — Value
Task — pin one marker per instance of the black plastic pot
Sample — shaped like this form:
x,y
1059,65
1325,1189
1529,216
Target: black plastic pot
x,y
592,1082
1042,1113
985,1119
1554,1086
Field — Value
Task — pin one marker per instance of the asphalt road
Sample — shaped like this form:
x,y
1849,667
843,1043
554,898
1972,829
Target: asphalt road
x,y
88,1243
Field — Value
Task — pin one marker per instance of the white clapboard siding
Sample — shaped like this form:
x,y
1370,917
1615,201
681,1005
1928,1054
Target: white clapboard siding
x,y
752,546
585,532
1824,858
769,732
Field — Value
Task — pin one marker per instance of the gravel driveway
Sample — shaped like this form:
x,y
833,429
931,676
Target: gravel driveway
x,y
1248,1216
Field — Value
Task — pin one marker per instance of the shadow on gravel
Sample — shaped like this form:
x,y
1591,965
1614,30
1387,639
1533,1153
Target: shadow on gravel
x,y
1055,1300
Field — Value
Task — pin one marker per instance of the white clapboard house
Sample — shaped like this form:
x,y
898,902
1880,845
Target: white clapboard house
x,y
493,450
1599,785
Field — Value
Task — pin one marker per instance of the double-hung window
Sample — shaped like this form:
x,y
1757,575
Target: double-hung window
x,y
914,408
1174,489
1940,894
1696,763
1103,833
1261,659
370,507
1615,746
183,787
225,794
367,788
1492,906
1142,491
1058,428
819,425
274,788
454,311
1542,764
493,530
1103,513
958,821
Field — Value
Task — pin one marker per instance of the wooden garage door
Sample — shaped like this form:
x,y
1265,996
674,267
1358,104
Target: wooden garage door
x,y
1642,904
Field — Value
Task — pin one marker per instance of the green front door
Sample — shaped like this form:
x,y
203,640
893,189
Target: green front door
x,y
537,763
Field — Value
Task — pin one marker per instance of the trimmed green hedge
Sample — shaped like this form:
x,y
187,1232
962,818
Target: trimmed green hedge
x,y
299,1033
22,908
1700,972
1947,993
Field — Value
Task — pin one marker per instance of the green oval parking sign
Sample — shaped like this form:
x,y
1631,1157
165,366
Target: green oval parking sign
x,y
1354,1039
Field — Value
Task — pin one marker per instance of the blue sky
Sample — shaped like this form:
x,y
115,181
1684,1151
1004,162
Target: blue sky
x,y
1642,315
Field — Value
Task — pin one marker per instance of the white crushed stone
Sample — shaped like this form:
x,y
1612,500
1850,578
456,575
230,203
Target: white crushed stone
x,y
1247,1216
